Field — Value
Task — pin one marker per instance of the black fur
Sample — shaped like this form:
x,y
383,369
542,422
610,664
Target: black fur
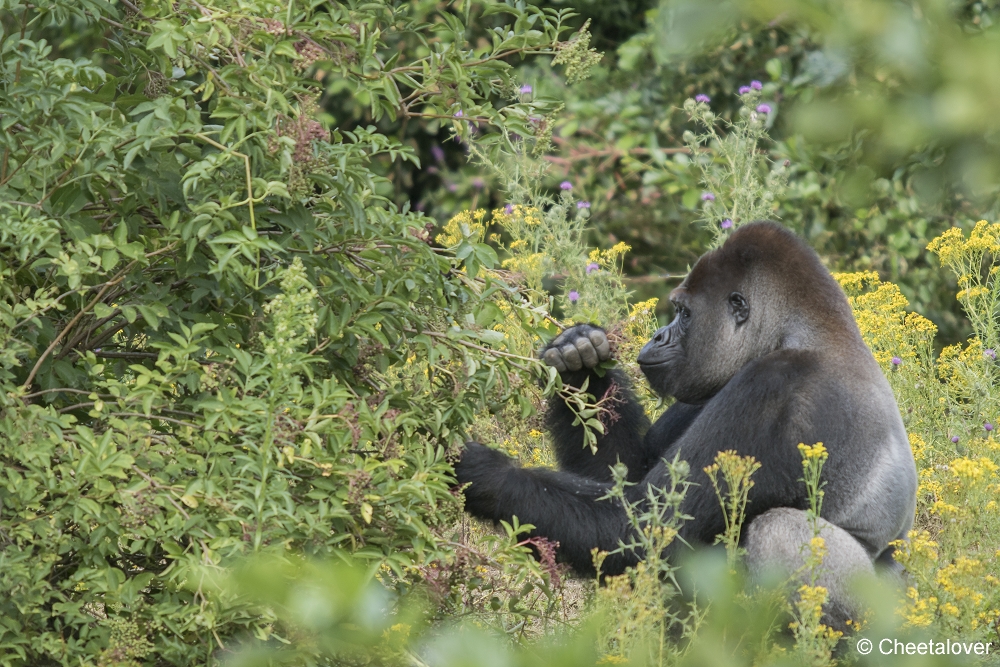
x,y
767,354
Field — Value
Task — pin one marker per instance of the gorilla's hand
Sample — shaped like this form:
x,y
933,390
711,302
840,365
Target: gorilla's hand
x,y
484,470
578,348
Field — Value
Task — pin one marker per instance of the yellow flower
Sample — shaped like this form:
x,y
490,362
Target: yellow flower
x,y
918,446
467,224
817,451
880,311
972,470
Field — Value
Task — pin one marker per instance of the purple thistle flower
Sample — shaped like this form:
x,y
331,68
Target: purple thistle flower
x,y
565,185
756,85
702,98
726,224
574,296
763,108
593,266
526,89
991,353
707,196
508,209
583,204
896,361
954,438
988,426
744,90
478,183
437,152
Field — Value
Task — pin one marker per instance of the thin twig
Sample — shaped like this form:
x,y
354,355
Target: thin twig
x,y
156,485
246,162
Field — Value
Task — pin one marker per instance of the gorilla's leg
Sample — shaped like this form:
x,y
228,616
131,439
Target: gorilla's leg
x,y
777,543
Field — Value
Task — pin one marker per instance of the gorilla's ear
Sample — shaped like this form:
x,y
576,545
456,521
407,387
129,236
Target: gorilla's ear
x,y
740,308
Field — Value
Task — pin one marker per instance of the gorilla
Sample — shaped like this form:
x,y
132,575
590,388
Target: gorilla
x,y
763,354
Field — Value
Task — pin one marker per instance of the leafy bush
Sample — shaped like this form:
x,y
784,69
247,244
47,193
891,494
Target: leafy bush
x,y
219,333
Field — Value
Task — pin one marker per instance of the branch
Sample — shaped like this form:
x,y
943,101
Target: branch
x,y
654,278
72,323
126,355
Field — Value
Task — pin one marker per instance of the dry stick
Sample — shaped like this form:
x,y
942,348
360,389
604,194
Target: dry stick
x,y
72,323
84,336
461,341
108,333
5,180
126,355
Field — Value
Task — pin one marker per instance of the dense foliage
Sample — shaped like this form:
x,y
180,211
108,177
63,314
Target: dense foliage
x,y
264,266
219,334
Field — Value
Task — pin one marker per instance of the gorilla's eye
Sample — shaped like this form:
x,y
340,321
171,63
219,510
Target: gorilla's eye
x,y
682,311
740,307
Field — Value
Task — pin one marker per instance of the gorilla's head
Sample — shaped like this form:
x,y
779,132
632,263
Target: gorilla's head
x,y
762,290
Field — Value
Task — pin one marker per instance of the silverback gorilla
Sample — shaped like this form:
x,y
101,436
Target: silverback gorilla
x,y
763,354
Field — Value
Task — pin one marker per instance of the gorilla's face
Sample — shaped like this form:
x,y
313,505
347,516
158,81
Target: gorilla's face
x,y
706,344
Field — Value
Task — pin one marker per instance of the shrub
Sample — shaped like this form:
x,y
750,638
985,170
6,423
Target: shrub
x,y
218,334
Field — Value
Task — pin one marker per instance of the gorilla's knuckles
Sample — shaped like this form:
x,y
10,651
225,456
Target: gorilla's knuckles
x,y
580,347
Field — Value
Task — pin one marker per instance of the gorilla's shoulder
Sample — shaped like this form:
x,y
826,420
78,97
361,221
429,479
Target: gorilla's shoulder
x,y
782,368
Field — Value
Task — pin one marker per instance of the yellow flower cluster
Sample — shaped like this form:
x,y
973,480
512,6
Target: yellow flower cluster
x,y
919,612
817,451
817,547
637,328
811,600
960,369
918,446
952,247
880,311
529,215
609,258
533,266
979,294
467,224
973,469
955,579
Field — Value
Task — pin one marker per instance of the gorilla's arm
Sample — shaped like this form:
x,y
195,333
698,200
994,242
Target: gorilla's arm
x,y
562,506
624,430
627,437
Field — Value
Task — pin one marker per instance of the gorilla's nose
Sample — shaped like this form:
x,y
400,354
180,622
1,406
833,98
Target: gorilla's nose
x,y
653,351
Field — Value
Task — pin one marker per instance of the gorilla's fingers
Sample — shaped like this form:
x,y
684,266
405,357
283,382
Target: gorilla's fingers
x,y
571,356
588,355
600,342
554,359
